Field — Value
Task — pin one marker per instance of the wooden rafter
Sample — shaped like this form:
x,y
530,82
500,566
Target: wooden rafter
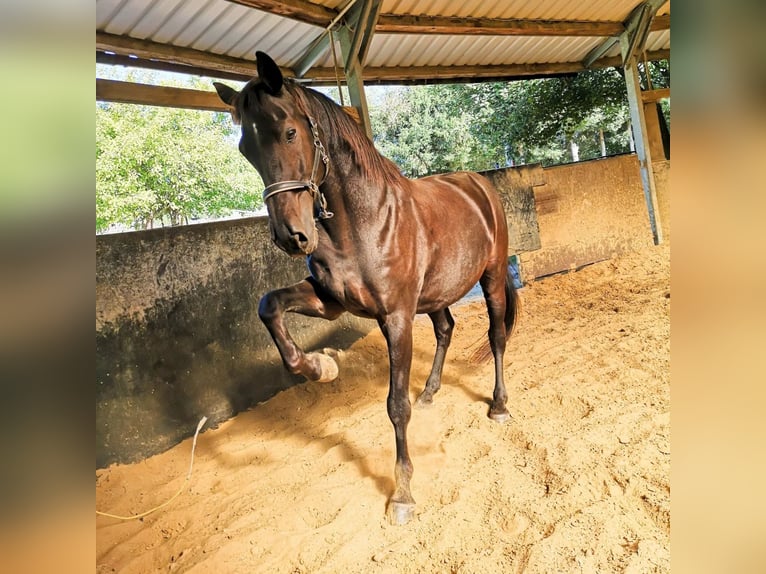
x,y
144,53
388,75
404,24
318,15
649,10
300,10
133,93
148,50
166,96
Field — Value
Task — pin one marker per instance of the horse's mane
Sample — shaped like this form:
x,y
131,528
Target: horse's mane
x,y
345,132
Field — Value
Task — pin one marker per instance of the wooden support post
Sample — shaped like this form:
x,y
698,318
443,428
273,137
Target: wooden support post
x,y
354,81
353,42
638,122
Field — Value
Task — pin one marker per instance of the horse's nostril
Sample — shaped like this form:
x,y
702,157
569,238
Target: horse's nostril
x,y
300,240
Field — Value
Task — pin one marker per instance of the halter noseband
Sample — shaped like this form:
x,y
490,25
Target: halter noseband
x,y
320,202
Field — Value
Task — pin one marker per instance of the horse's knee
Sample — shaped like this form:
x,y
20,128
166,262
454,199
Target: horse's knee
x,y
268,308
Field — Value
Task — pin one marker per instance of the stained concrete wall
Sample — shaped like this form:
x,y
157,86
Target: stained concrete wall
x,y
178,335
177,331
591,211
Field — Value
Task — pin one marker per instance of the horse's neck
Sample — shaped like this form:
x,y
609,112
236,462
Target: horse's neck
x,y
354,190
349,198
356,199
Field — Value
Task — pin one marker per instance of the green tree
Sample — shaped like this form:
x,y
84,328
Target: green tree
x,y
160,166
480,126
424,131
549,119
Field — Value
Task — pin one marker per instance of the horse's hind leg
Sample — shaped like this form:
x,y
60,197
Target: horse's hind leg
x,y
443,325
493,285
308,298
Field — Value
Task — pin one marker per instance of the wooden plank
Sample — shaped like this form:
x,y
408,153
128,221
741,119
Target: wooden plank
x,y
128,61
319,15
660,23
167,96
648,96
406,24
299,10
149,50
164,56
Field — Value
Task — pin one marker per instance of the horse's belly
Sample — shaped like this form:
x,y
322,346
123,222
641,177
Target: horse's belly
x,y
448,283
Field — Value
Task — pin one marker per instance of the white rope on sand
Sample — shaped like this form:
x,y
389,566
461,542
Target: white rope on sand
x,y
201,423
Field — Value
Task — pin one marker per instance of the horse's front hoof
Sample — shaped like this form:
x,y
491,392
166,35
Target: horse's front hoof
x,y
424,400
499,415
400,513
328,368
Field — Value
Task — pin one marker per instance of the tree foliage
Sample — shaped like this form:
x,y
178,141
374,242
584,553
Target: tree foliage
x,y
159,166
431,129
423,131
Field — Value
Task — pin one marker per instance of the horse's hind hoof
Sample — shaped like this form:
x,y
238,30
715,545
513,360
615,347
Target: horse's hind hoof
x,y
499,416
328,368
400,513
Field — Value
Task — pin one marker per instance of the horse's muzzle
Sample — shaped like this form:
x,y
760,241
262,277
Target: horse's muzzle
x,y
297,244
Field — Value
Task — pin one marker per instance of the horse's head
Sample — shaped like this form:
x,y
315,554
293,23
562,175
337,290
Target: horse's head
x,y
282,142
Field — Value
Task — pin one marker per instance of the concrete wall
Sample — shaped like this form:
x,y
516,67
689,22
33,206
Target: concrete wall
x,y
177,330
589,211
178,335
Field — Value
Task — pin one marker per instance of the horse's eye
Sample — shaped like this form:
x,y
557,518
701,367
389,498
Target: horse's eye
x,y
291,134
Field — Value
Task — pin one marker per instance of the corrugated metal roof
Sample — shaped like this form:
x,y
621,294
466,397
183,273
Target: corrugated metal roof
x,y
229,28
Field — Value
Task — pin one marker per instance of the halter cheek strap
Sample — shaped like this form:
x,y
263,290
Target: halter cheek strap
x,y
320,201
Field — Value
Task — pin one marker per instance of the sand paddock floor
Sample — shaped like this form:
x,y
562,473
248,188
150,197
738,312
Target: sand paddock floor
x,y
577,481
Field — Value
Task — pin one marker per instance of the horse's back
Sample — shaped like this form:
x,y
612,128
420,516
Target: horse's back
x,y
463,197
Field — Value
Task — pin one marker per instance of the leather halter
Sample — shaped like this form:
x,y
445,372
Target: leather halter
x,y
320,202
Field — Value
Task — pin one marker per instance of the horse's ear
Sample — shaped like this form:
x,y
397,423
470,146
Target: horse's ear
x,y
226,93
228,96
269,73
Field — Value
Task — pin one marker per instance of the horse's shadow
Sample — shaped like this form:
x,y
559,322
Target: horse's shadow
x,y
304,430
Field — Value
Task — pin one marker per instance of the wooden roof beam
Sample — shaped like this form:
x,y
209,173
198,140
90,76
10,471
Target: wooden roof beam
x,y
645,11
399,24
318,15
403,24
174,55
299,10
161,56
167,96
383,75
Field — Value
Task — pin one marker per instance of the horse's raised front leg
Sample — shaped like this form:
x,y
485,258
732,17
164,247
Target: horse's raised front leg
x,y
307,298
443,325
398,332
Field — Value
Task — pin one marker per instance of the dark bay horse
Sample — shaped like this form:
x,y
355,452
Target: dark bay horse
x,y
377,244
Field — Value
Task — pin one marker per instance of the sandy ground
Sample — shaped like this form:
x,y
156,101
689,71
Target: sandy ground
x,y
577,481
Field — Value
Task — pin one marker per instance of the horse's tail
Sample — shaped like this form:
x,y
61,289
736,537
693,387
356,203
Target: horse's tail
x,y
483,353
